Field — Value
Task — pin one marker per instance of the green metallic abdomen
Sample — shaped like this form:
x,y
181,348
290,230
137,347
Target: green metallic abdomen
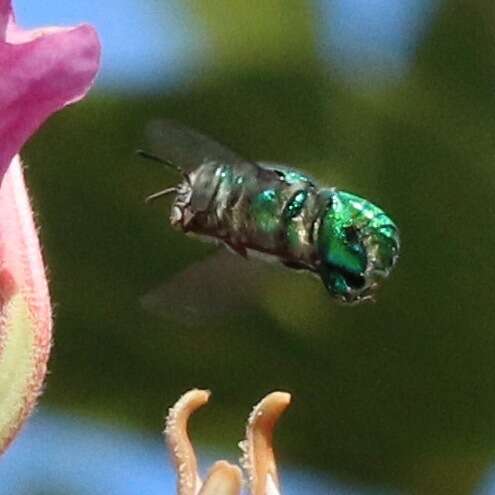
x,y
358,244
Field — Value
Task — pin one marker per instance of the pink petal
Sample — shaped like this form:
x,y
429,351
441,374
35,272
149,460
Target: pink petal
x,y
5,14
22,280
41,72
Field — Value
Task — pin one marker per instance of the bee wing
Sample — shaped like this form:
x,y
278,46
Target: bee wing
x,y
222,284
189,148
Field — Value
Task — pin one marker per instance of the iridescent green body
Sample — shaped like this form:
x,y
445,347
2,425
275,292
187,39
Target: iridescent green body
x,y
278,211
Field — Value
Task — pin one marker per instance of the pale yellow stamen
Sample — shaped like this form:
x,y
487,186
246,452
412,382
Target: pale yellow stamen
x,y
189,482
223,479
258,459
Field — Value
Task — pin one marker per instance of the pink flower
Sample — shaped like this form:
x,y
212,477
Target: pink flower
x,y
41,71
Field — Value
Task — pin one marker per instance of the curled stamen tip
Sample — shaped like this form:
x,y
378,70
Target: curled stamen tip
x,y
258,459
185,406
177,438
223,479
269,409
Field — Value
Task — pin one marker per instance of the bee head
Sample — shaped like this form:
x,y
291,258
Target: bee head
x,y
358,245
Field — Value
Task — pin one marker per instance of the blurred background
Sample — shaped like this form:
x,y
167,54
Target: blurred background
x,y
394,101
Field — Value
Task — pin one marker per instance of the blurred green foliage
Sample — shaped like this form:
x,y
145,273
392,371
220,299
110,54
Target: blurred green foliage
x,y
401,392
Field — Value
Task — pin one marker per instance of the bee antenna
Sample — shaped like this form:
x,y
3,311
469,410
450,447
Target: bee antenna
x,y
159,194
155,158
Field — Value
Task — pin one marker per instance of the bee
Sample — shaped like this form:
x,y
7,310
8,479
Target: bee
x,y
277,212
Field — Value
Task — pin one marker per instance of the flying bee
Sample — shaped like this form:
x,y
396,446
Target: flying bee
x,y
276,211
